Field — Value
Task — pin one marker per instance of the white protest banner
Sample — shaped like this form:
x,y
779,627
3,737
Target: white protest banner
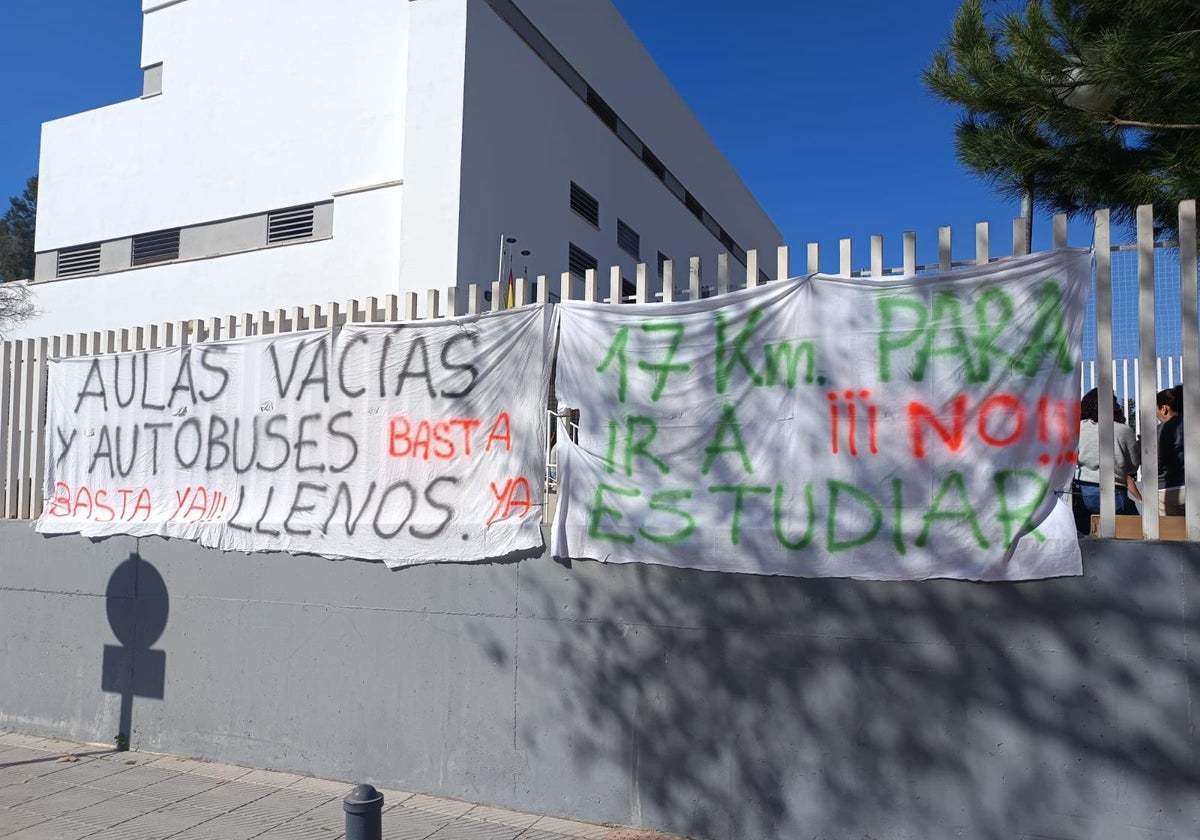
x,y
878,429
407,443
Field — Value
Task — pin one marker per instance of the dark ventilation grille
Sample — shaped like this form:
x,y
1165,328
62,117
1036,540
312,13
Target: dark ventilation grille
x,y
603,110
628,240
584,204
160,246
580,260
653,163
286,225
84,259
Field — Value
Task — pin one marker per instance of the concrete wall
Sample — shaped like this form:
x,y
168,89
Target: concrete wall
x,y
722,706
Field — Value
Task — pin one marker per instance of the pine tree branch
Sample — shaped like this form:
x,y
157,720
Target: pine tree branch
x,y
1120,123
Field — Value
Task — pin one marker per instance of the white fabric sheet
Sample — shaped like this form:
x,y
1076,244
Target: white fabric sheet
x,y
880,429
404,443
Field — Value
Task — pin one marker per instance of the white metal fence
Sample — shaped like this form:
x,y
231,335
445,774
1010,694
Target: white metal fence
x,y
23,363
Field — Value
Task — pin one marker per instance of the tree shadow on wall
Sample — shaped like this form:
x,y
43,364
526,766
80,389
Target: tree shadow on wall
x,y
755,707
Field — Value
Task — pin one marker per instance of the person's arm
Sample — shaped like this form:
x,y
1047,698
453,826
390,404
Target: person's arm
x,y
1131,486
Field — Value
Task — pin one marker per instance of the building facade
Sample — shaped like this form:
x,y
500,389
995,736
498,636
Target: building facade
x,y
287,153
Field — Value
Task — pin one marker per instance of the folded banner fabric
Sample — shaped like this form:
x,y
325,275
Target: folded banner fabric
x,y
902,428
407,443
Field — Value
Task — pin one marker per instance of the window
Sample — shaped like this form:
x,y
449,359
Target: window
x,y
693,206
161,246
628,240
293,223
662,263
583,204
73,262
580,260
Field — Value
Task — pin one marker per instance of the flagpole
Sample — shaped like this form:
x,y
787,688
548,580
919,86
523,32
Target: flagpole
x,y
505,242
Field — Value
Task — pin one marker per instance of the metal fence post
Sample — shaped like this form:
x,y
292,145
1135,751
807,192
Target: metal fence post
x,y
364,813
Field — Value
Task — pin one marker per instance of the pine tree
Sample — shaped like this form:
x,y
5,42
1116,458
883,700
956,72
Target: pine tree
x,y
16,257
16,234
1078,104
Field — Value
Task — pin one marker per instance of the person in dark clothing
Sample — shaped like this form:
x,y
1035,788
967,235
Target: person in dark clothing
x,y
1171,493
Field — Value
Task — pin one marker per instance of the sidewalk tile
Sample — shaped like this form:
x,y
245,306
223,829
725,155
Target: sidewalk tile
x,y
216,770
408,824
272,778
113,811
163,822
437,805
534,834
286,804
178,787
66,801
11,821
301,831
571,828
132,779
232,826
228,796
47,765
175,765
15,755
473,830
324,786
16,739
57,745
488,813
86,771
329,818
18,794
392,798
52,830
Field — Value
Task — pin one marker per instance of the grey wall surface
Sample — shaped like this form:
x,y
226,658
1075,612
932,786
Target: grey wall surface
x,y
720,706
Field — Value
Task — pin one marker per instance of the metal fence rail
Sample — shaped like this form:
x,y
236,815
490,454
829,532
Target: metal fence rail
x,y
23,363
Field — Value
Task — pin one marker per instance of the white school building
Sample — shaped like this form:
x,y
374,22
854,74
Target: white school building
x,y
310,150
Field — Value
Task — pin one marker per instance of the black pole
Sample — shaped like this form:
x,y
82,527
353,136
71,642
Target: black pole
x,y
364,814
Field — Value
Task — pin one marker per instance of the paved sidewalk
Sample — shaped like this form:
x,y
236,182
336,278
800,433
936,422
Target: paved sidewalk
x,y
60,790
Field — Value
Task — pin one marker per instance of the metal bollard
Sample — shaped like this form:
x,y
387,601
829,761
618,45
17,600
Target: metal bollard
x,y
364,813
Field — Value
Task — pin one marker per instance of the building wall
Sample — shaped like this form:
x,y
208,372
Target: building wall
x,y
625,74
720,706
307,100
433,144
263,105
527,136
361,259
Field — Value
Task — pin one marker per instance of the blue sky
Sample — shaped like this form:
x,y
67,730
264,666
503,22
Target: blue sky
x,y
819,106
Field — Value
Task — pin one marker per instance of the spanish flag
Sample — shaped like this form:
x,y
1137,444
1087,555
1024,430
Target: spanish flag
x,y
511,299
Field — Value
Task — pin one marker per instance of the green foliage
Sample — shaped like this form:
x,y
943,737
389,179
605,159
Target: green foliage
x,y
16,235
16,257
1082,103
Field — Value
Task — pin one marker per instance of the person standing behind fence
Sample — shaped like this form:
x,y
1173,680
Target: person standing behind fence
x,y
1126,455
1171,493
